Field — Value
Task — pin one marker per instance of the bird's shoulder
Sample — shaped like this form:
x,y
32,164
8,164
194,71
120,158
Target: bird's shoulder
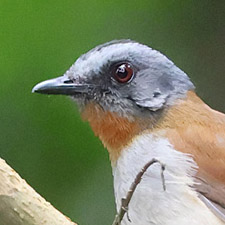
x,y
193,127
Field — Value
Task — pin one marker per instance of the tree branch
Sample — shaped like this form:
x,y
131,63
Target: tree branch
x,y
125,201
21,205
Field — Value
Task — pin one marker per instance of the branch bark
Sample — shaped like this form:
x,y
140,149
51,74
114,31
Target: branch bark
x,y
21,205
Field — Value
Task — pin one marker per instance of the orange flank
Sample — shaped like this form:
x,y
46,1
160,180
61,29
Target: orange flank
x,y
193,127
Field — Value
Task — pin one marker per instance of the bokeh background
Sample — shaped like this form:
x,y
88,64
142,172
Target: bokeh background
x,y
43,138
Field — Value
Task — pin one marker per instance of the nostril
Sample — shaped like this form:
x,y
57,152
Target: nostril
x,y
156,94
68,82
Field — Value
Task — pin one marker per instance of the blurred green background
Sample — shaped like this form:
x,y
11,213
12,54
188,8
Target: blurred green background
x,y
43,138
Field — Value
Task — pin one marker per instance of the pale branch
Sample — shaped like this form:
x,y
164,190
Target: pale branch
x,y
125,201
21,205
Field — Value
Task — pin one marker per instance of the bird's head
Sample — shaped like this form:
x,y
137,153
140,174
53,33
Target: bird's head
x,y
122,77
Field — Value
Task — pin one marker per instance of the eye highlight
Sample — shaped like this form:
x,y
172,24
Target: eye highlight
x,y
123,73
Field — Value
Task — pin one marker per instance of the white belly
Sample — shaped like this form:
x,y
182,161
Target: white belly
x,y
150,204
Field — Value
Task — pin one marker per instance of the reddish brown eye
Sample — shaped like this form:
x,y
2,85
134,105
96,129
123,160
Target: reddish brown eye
x,y
123,73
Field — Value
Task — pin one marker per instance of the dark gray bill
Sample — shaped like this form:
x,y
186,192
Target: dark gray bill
x,y
61,86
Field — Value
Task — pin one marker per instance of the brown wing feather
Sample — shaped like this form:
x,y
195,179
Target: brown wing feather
x,y
193,127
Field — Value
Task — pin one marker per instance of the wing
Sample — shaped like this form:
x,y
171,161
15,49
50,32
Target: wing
x,y
200,131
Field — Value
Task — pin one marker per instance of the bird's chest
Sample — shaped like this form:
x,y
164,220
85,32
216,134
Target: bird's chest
x,y
150,204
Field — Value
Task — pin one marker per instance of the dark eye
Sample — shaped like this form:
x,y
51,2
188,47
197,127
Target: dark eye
x,y
123,73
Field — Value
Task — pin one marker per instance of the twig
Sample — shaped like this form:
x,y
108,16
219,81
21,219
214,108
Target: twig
x,y
125,201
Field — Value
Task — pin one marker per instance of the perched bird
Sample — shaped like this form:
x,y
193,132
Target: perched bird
x,y
142,106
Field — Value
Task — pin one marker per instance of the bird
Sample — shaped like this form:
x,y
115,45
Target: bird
x,y
143,107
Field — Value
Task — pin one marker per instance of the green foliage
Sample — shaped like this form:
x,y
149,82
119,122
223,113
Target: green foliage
x,y
43,137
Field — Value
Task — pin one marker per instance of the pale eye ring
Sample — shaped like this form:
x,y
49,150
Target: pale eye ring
x,y
123,73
